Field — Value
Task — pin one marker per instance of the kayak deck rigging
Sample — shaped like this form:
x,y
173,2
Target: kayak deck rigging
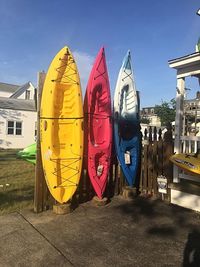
x,y
63,168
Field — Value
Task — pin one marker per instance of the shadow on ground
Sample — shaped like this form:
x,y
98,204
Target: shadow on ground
x,y
192,250
168,222
156,210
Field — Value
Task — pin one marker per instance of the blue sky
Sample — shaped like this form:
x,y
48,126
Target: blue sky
x,y
32,32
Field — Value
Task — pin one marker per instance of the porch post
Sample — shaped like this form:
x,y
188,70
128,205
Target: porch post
x,y
178,122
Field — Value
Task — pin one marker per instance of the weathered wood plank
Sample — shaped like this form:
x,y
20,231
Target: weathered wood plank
x,y
160,157
155,167
141,171
167,164
150,169
41,190
145,172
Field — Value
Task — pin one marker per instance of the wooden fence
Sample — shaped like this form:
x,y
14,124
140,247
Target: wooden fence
x,y
156,152
154,161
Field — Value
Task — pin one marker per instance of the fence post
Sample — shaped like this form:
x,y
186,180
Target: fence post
x,y
145,169
168,148
155,167
41,190
150,168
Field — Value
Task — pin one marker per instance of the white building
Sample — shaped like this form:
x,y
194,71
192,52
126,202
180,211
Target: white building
x,y
149,113
18,115
185,189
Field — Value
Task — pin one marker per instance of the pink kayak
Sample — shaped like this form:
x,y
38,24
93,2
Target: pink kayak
x,y
97,108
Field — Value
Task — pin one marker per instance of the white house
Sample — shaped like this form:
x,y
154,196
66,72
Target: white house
x,y
25,91
18,115
185,189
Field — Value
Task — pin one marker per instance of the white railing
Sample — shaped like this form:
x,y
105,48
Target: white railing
x,y
190,144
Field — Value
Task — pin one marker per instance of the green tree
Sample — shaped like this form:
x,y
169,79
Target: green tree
x,y
166,111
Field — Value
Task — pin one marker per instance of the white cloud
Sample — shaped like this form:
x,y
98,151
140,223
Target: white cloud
x,y
84,62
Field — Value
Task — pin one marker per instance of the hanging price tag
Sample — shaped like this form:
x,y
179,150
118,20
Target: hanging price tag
x,y
99,170
127,157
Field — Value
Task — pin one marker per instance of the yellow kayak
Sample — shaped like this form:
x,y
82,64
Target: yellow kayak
x,y
61,126
187,162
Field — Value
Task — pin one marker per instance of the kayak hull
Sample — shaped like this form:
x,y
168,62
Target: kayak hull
x,y
187,162
61,127
28,153
126,122
97,109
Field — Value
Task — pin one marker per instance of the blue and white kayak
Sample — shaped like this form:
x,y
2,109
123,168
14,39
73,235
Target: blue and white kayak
x,y
126,122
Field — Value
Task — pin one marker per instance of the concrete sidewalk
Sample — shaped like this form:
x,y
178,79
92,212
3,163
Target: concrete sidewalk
x,y
139,232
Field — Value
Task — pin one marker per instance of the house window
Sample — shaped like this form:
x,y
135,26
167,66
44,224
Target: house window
x,y
14,128
18,128
10,127
27,94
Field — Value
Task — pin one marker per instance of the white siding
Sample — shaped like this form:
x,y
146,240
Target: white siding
x,y
155,121
185,200
28,119
32,91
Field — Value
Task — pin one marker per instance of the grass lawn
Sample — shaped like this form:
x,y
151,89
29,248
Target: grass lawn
x,y
16,182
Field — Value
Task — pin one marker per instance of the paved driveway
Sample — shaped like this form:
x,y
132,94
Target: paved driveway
x,y
140,232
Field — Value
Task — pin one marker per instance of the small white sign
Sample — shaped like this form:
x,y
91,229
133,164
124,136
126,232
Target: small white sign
x,y
162,184
127,157
99,170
